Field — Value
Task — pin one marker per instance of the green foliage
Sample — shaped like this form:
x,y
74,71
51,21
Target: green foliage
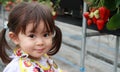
x,y
114,22
110,4
4,1
117,3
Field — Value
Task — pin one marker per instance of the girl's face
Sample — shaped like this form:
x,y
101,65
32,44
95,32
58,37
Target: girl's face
x,y
35,44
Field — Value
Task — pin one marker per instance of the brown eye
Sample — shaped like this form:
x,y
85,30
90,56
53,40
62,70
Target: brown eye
x,y
31,36
46,34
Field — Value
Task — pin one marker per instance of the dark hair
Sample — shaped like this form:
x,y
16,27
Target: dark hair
x,y
20,16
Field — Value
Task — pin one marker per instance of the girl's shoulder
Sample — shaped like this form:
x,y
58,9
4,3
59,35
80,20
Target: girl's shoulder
x,y
13,66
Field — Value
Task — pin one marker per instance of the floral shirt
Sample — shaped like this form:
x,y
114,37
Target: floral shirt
x,y
21,63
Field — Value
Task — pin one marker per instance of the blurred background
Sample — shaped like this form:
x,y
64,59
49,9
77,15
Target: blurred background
x,y
68,14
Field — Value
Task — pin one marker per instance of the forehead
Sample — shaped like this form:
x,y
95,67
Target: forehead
x,y
40,27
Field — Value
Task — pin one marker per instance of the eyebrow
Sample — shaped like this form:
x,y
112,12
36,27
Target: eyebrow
x,y
44,30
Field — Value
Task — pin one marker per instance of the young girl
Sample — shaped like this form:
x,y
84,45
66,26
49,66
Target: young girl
x,y
33,31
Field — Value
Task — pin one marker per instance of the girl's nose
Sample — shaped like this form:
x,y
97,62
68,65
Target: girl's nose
x,y
40,41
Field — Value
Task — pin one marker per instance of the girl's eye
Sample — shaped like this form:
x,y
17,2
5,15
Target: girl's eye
x,y
46,34
31,35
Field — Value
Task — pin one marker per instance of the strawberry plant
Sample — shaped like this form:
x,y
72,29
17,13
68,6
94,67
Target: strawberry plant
x,y
104,12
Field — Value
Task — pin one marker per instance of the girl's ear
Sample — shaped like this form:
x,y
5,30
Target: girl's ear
x,y
14,37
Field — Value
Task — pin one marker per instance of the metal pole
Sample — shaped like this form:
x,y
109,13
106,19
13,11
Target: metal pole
x,y
2,14
82,68
116,54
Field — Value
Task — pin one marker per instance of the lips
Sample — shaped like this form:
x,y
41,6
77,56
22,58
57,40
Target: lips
x,y
40,50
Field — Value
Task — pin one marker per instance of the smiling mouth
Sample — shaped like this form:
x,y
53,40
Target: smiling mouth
x,y
40,50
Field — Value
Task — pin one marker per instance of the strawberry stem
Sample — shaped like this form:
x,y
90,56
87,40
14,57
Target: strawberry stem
x,y
118,10
101,2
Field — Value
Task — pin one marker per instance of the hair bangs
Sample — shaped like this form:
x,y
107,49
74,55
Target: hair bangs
x,y
39,13
34,13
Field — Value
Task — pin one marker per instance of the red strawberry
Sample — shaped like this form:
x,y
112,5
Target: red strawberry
x,y
103,11
100,24
86,15
107,15
89,22
94,20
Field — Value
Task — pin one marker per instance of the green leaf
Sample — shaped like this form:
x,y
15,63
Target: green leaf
x,y
117,3
114,22
110,4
